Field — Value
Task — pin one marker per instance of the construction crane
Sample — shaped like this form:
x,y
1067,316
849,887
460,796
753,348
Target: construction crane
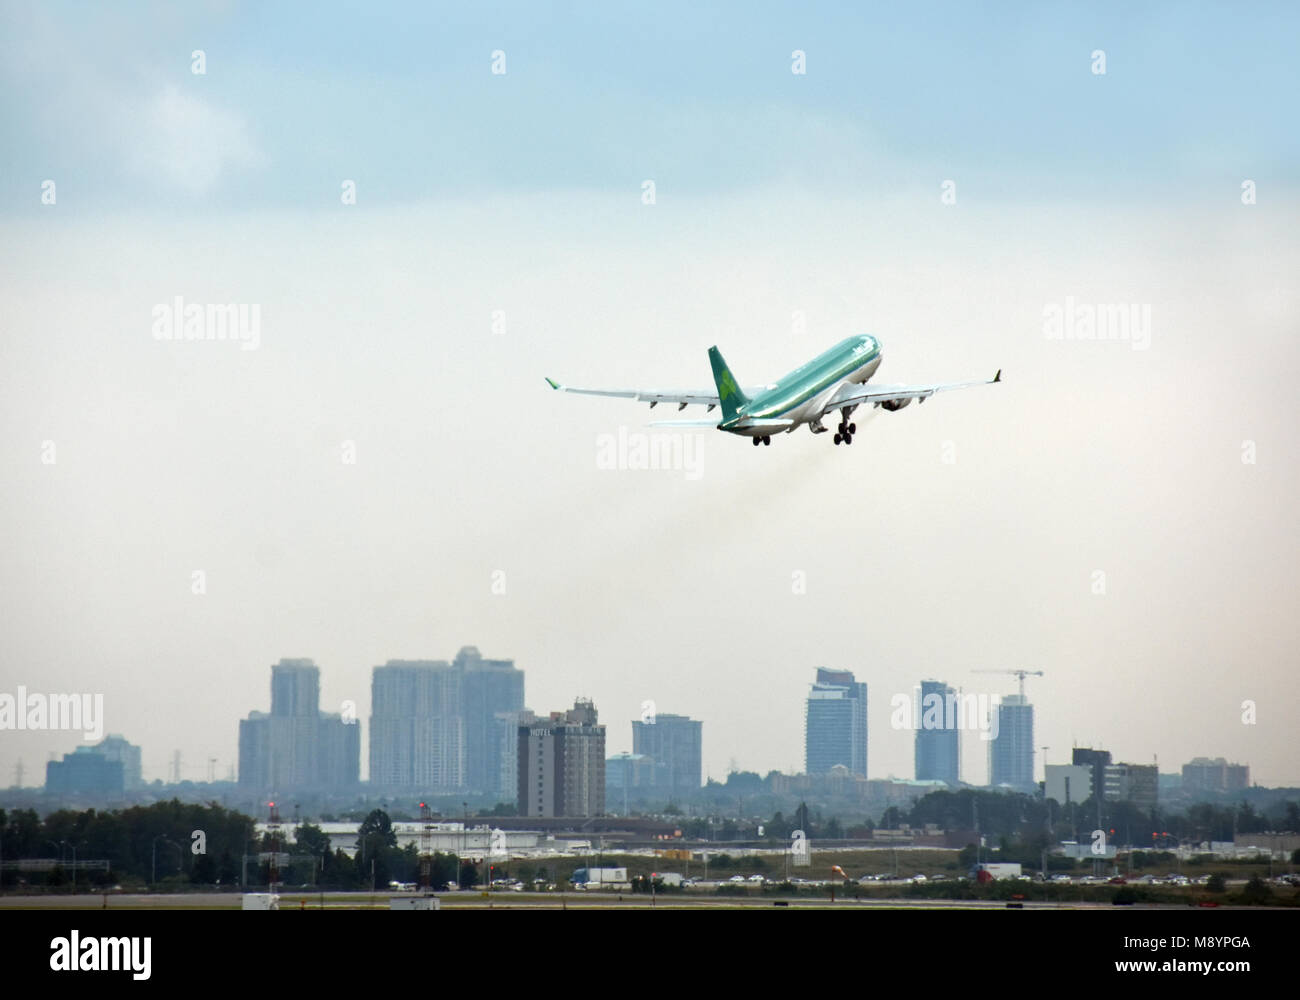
x,y
1022,674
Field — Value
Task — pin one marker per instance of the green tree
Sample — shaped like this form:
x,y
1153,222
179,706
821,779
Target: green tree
x,y
377,824
311,839
1256,892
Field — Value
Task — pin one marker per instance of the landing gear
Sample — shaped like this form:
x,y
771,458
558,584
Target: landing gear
x,y
762,439
838,438
756,440
767,439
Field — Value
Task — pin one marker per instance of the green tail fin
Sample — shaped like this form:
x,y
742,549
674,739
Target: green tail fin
x,y
730,398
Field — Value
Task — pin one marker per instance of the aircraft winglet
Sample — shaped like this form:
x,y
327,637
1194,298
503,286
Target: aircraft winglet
x,y
551,382
996,378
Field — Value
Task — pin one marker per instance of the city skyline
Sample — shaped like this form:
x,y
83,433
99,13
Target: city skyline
x,y
420,239
294,693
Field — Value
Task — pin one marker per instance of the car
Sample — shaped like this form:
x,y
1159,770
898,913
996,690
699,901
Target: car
x,y
756,878
917,878
736,878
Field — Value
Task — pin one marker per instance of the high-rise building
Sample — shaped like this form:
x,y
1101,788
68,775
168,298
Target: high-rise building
x,y
562,764
295,689
1203,775
1097,760
439,727
835,730
1135,783
488,689
938,734
127,754
675,744
417,731
627,775
339,752
295,746
507,746
1011,752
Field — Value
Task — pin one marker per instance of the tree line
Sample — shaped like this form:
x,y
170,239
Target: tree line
x,y
174,844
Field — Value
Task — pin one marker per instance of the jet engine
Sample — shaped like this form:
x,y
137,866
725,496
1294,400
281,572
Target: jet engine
x,y
895,404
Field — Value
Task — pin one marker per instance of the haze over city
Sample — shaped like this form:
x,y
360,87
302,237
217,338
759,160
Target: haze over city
x,y
500,234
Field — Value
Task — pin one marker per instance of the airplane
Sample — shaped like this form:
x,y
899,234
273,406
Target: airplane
x,y
834,380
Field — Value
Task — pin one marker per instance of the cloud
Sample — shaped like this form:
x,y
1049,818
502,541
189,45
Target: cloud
x,y
188,143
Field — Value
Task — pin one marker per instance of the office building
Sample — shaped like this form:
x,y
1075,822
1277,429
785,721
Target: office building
x,y
674,743
1135,783
835,723
628,777
1096,760
1205,776
1011,752
938,734
127,754
562,764
100,770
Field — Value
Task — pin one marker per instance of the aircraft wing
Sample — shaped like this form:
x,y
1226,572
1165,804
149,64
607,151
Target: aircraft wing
x,y
652,396
877,395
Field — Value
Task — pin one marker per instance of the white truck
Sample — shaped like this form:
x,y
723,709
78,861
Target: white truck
x,y
609,879
997,870
668,878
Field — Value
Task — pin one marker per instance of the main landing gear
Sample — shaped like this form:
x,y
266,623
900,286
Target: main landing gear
x,y
844,432
765,439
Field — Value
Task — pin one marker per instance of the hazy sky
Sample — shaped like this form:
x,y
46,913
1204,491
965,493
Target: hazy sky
x,y
790,211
